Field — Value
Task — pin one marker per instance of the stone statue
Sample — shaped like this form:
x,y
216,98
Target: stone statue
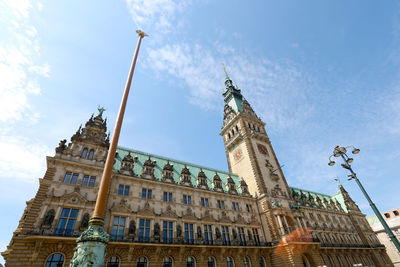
x,y
156,229
217,233
132,228
234,234
178,230
48,219
61,146
199,235
85,221
101,110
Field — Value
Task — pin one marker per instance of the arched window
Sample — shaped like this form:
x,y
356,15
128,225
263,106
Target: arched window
x,y
261,261
190,262
113,262
210,262
237,129
167,262
84,153
55,260
91,153
229,262
246,262
141,262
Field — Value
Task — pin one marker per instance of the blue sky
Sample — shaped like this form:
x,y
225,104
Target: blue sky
x,y
319,73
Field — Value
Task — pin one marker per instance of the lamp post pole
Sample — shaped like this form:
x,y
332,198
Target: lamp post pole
x,y
91,245
341,152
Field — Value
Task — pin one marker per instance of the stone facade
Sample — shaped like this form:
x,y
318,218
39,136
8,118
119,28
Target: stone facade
x,y
392,218
165,212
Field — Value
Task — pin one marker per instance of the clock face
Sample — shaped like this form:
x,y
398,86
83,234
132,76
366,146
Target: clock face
x,y
237,154
262,149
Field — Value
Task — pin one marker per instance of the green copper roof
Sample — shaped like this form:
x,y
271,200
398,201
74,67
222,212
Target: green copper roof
x,y
232,95
178,166
338,196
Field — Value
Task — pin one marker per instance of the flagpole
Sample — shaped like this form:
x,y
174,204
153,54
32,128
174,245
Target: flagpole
x,y
91,245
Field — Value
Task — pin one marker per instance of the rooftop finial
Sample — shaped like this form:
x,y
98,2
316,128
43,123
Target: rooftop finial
x,y
226,74
101,110
338,180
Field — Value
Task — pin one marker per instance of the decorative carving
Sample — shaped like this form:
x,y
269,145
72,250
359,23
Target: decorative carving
x,y
199,233
189,214
244,188
147,210
169,213
217,233
61,146
157,231
178,230
224,218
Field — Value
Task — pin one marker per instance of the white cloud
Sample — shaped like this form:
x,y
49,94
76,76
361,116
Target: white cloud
x,y
23,159
19,69
277,90
157,15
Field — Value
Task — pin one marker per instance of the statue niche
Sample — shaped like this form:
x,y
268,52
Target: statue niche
x,y
48,219
157,231
85,221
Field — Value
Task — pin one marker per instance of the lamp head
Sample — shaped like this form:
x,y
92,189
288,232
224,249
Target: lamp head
x,y
355,151
349,160
331,163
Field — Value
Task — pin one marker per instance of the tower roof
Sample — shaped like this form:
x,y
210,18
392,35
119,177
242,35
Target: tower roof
x,y
232,95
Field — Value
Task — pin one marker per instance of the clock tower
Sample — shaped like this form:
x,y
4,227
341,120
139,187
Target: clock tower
x,y
250,155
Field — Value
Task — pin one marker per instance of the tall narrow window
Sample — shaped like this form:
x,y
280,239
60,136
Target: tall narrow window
x,y
92,181
208,234
91,154
225,235
242,237
144,230
221,204
256,236
167,232
84,153
85,180
117,233
167,197
70,178
204,202
66,222
146,193
88,180
55,260
189,235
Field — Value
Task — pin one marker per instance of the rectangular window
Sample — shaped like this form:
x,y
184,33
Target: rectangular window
x,y
167,197
117,233
235,205
70,178
204,202
167,232
242,237
225,235
208,234
189,235
66,222
88,180
249,208
221,204
146,193
144,230
123,190
187,199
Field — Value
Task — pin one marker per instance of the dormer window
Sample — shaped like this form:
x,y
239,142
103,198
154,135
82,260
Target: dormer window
x,y
84,153
148,168
217,183
127,164
168,175
185,176
91,154
231,186
202,180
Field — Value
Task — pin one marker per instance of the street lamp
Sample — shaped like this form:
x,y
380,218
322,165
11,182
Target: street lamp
x,y
341,152
91,245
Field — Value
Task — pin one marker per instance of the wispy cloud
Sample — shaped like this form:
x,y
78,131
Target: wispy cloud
x,y
20,70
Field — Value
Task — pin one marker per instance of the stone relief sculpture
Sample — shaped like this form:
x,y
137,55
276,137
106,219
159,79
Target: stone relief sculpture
x,y
85,221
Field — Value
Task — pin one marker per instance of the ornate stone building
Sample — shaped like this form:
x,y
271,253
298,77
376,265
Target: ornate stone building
x,y
166,212
392,218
